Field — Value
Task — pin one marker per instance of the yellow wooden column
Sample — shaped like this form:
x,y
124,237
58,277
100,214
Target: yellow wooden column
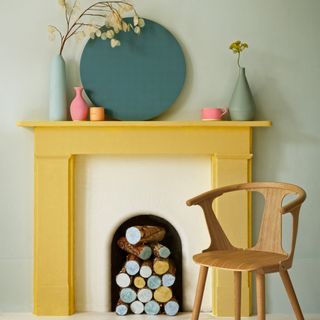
x,y
53,235
234,213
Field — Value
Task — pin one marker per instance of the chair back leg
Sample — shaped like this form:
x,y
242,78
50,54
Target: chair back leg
x,y
260,282
199,293
237,295
291,294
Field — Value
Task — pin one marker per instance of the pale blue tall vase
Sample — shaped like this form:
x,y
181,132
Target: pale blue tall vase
x,y
242,106
58,90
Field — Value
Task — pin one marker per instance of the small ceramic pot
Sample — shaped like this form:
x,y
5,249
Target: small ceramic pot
x,y
97,114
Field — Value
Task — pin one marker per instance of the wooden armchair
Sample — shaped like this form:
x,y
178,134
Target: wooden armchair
x,y
265,257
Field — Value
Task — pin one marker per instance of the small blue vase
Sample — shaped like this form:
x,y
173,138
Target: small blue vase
x,y
58,90
242,106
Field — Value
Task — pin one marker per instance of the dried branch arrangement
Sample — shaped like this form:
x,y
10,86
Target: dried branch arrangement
x,y
103,19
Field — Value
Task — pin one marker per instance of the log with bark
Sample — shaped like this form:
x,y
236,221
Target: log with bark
x,y
160,265
139,282
140,250
169,278
160,250
171,308
162,294
144,234
154,282
132,264
146,269
137,307
121,308
144,295
152,307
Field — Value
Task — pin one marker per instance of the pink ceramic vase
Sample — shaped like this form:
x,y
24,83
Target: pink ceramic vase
x,y
78,107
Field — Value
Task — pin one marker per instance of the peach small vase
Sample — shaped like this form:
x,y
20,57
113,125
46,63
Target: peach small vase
x,y
78,107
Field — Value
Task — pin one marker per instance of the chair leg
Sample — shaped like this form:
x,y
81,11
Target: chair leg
x,y
199,293
237,295
260,282
291,294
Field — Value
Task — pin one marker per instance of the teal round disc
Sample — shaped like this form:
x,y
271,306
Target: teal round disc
x,y
138,80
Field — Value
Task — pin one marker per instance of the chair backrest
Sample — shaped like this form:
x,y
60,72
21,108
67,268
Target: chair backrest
x,y
270,236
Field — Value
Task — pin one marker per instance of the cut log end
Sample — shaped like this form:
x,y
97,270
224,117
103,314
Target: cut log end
x,y
123,280
137,307
152,307
168,280
154,282
144,295
139,282
171,308
146,269
128,295
160,266
163,294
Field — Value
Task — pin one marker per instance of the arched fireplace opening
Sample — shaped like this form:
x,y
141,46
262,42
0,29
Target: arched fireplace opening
x,y
171,240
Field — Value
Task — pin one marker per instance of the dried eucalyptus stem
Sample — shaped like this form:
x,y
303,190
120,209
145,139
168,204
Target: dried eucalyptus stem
x,y
90,22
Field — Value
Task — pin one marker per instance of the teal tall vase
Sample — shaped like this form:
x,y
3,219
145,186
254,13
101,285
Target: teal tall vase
x,y
58,90
242,106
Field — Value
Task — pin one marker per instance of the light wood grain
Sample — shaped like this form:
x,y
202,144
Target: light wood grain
x,y
199,293
260,281
237,295
266,256
291,294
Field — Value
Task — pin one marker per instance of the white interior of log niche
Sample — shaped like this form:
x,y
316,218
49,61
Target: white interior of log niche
x,y
112,189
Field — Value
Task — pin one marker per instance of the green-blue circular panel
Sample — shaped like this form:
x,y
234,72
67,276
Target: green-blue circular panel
x,y
138,80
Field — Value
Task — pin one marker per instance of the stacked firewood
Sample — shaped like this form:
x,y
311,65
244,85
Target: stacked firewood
x,y
146,279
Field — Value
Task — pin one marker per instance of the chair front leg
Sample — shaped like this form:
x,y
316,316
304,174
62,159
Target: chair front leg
x,y
237,295
260,282
291,294
199,293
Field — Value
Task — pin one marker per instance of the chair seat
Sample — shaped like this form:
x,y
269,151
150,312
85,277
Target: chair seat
x,y
239,259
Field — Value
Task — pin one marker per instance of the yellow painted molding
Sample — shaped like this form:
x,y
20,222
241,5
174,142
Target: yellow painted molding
x,y
34,124
229,143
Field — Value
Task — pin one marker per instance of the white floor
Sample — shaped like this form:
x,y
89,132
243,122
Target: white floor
x,y
112,316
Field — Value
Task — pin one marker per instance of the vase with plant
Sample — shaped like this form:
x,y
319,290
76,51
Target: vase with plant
x,y
102,19
241,106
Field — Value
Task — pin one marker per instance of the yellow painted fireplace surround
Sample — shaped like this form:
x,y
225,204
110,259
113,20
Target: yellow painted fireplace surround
x,y
228,143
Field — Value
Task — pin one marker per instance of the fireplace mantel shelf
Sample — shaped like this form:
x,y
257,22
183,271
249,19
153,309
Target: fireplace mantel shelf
x,y
35,124
57,143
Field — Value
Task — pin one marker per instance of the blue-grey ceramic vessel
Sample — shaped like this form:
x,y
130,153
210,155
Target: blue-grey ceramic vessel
x,y
58,90
242,106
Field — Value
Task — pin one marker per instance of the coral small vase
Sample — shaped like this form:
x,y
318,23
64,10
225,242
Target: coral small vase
x,y
78,107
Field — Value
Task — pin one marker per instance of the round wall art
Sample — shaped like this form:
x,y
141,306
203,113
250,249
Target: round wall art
x,y
138,80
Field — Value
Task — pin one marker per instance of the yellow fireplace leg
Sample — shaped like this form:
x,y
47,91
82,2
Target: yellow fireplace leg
x,y
53,243
234,214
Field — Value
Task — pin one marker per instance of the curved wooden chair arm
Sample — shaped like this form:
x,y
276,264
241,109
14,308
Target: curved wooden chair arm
x,y
274,193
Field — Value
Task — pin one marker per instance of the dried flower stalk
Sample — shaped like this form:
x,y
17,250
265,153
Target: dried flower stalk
x,y
89,22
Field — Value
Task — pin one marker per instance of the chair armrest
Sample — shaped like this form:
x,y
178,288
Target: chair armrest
x,y
293,205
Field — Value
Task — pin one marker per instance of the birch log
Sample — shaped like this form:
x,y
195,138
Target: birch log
x,y
169,278
142,251
132,265
144,234
139,282
146,269
162,294
171,308
154,282
137,307
128,295
123,280
144,295
160,265
160,250
121,308
152,307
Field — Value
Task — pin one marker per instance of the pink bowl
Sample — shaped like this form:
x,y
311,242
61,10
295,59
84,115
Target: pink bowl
x,y
213,113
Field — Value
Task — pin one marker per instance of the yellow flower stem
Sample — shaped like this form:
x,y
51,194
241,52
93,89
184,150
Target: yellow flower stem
x,y
238,60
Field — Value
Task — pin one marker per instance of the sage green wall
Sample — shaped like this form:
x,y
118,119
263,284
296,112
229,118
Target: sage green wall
x,y
283,69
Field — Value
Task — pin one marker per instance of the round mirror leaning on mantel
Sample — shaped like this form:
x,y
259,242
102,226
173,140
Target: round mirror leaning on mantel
x,y
138,80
